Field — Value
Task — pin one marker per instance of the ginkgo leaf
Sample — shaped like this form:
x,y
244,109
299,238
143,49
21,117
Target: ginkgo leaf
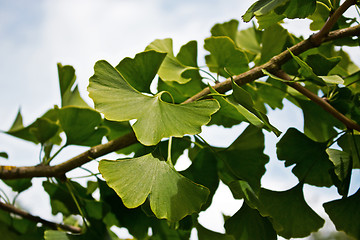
x,y
247,223
312,162
156,119
290,214
171,68
262,7
70,95
81,126
141,70
225,55
345,214
171,195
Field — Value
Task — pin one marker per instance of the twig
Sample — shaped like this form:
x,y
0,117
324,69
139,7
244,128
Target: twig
x,y
330,22
26,215
318,100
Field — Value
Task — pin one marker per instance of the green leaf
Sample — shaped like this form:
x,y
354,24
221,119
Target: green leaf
x,y
269,19
341,161
307,72
247,223
290,214
242,190
262,7
228,29
273,42
245,158
156,119
203,170
81,126
244,98
67,79
345,214
342,171
272,92
225,55
134,220
162,231
320,64
319,17
312,162
297,8
180,92
171,195
44,129
141,70
171,68
206,234
318,123
333,79
249,40
346,142
18,185
232,110
4,155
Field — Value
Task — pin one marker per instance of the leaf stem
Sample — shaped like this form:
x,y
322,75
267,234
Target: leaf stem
x,y
47,162
169,152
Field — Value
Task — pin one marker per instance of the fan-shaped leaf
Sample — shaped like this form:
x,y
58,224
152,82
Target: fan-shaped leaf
x,y
290,214
312,162
171,195
156,119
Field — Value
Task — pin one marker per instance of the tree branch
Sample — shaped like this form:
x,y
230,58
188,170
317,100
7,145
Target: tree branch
x,y
273,65
330,22
11,172
26,215
318,100
275,62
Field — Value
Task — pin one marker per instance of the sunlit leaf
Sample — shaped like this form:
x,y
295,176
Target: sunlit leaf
x,y
341,161
312,162
81,126
262,7
171,195
297,8
273,42
228,29
345,214
290,214
156,119
44,129
247,223
225,55
171,68
141,70
70,95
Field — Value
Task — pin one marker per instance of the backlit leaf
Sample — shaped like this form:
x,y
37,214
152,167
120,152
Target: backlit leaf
x,y
225,55
262,7
141,70
70,96
156,119
290,214
81,126
245,158
171,195
171,68
312,162
345,214
247,223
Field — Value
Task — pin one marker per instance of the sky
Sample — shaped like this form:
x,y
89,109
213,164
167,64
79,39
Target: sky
x,y
36,35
